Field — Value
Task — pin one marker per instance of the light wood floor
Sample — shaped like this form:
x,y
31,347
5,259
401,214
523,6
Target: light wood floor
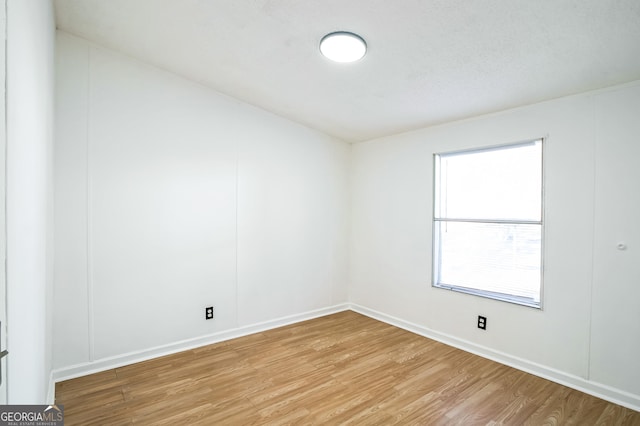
x,y
342,368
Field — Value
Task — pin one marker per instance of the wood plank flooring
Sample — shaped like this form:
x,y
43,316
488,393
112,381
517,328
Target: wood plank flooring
x,y
339,369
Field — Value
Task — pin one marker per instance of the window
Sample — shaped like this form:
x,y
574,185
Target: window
x,y
487,222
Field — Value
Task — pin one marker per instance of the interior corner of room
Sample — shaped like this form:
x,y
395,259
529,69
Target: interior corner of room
x,y
136,197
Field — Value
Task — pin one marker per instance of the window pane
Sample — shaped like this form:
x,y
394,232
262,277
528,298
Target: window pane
x,y
504,183
500,258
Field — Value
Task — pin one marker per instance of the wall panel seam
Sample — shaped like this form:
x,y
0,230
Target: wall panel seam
x,y
89,194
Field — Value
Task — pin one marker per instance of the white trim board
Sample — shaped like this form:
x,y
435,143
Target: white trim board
x,y
104,364
51,391
598,390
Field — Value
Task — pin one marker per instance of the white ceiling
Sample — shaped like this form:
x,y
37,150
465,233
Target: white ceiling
x,y
429,61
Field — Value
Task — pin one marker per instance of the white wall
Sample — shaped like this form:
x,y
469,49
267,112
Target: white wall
x,y
30,92
171,197
615,314
3,190
588,333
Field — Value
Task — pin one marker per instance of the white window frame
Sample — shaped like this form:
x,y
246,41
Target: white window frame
x,y
436,219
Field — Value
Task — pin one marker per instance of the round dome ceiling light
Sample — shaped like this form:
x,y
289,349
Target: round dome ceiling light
x,y
343,46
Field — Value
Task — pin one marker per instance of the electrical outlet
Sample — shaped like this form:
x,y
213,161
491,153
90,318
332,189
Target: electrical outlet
x,y
482,322
208,312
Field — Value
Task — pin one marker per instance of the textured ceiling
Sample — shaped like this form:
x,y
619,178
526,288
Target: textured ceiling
x,y
429,61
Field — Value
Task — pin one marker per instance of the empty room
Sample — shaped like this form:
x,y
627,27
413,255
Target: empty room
x,y
320,212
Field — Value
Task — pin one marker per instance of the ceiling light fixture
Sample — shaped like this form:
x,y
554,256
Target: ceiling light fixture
x,y
343,46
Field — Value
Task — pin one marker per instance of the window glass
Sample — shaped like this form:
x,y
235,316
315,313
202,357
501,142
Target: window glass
x,y
501,183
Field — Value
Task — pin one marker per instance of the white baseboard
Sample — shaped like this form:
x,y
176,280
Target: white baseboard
x,y
598,390
97,366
